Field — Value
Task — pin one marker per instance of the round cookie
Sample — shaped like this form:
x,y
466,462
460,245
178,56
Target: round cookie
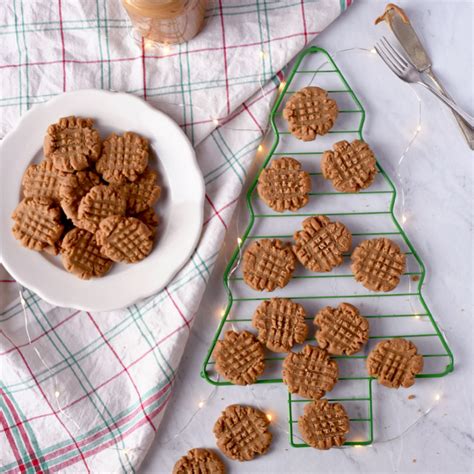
x,y
100,202
72,144
350,166
81,255
142,193
310,112
43,181
242,432
324,425
150,218
199,461
124,157
37,224
280,323
395,362
310,373
284,186
320,245
73,188
342,330
378,264
239,357
124,239
268,264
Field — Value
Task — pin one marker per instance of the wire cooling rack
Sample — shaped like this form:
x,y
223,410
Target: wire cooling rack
x,y
368,214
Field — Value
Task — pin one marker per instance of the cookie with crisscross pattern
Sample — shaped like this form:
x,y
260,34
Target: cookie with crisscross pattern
x,y
100,202
148,217
124,239
310,373
284,186
378,264
321,243
142,193
395,362
72,144
81,255
280,323
43,181
341,330
310,112
124,157
74,187
324,425
242,432
239,357
350,166
199,461
268,264
37,224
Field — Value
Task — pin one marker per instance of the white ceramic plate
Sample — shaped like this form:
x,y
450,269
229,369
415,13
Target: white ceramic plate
x,y
180,207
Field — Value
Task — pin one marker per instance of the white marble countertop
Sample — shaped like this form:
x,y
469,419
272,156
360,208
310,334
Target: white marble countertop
x,y
436,176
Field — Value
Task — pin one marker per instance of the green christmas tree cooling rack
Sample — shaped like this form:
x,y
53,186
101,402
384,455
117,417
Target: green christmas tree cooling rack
x,y
368,214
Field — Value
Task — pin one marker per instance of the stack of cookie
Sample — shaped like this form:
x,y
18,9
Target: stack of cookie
x,y
89,200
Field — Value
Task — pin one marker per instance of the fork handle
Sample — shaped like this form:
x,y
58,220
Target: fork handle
x,y
469,120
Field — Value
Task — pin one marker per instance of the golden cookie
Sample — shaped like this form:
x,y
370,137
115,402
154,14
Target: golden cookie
x,y
321,244
199,461
284,186
37,224
351,166
81,255
150,218
100,202
342,330
72,144
124,157
268,264
43,181
310,373
239,357
143,193
324,425
280,323
395,363
73,188
378,264
310,112
242,432
124,239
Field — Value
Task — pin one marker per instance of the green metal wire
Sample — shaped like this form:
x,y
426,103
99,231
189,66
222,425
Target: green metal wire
x,y
426,314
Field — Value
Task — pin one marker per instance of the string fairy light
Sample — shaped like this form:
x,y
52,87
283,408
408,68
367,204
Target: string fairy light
x,y
260,148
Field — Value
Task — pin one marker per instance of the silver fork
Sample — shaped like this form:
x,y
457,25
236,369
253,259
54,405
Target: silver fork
x,y
407,72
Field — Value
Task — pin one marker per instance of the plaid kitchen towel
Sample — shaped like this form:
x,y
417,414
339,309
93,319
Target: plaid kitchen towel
x,y
86,391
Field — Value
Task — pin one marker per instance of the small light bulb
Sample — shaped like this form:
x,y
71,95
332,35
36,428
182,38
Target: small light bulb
x,y
358,446
201,404
417,316
215,121
239,240
269,417
56,394
260,147
404,218
418,129
373,51
282,85
222,313
437,397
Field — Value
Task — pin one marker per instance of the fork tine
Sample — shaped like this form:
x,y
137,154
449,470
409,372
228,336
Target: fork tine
x,y
387,60
394,53
397,53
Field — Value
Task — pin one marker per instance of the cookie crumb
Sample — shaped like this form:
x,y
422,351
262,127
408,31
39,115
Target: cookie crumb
x,y
411,397
415,278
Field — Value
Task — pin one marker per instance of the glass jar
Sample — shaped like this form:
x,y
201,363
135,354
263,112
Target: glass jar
x,y
166,21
